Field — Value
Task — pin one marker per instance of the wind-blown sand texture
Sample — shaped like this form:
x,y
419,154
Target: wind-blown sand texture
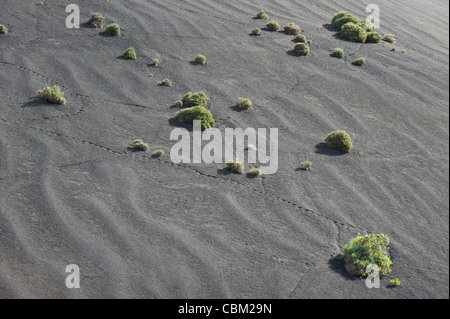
x,y
71,192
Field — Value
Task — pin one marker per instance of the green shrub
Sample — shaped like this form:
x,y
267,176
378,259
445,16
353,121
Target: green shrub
x,y
373,37
3,29
348,18
362,251
396,282
159,153
256,32
339,15
273,26
130,54
262,15
179,103
200,59
235,167
292,28
306,166
113,29
199,113
139,145
338,53
389,38
97,20
245,104
53,95
155,62
300,38
353,32
195,99
359,62
339,140
167,82
301,48
255,172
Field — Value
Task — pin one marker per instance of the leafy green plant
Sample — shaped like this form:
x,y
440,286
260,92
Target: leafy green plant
x,y
339,15
262,15
97,20
179,103
53,95
354,33
363,251
159,153
167,82
359,62
300,38
200,59
235,167
301,48
130,54
256,32
188,115
373,37
389,38
273,26
306,166
139,145
3,29
255,172
113,29
344,19
195,99
155,62
339,140
244,104
292,28
396,282
338,53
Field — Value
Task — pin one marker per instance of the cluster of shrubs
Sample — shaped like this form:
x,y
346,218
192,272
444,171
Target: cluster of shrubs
x,y
238,168
195,109
353,29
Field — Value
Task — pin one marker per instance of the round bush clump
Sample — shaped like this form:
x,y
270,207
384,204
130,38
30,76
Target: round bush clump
x,y
389,38
340,22
159,153
155,62
139,145
373,37
339,15
130,54
301,48
179,103
244,104
363,251
195,99
273,26
113,29
262,15
199,113
300,38
255,172
167,82
359,62
200,59
3,29
306,166
353,32
338,53
256,32
339,140
53,95
396,282
235,167
292,28
97,20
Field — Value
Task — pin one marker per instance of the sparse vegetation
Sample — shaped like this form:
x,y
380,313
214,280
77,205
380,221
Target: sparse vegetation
x,y
301,48
200,59
179,103
342,19
273,26
262,15
300,38
139,145
167,82
155,62
113,29
256,32
306,166
339,140
244,104
389,38
195,99
130,54
359,62
396,282
3,29
188,115
235,167
362,251
354,33
53,95
97,20
292,28
159,153
338,53
255,172
373,37
339,15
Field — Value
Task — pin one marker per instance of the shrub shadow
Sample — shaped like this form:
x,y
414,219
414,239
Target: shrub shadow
x,y
329,27
133,150
36,102
337,265
224,172
322,148
173,122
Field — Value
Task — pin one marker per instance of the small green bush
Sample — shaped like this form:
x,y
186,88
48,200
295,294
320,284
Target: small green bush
x,y
3,29
292,28
139,145
306,166
155,62
199,113
179,103
389,38
339,15
235,167
359,62
338,53
244,104
396,282
255,172
353,32
273,26
130,54
373,37
159,153
262,15
300,38
256,32
348,18
362,251
200,59
97,20
301,48
113,29
195,99
53,95
339,140
167,82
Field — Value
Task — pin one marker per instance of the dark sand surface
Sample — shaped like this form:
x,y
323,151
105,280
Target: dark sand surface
x,y
140,227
